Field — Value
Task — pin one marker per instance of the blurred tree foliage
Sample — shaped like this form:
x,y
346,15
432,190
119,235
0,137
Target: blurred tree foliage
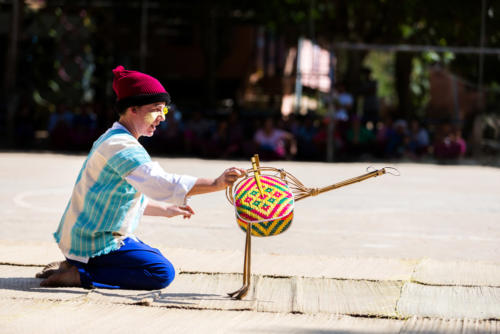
x,y
68,46
57,64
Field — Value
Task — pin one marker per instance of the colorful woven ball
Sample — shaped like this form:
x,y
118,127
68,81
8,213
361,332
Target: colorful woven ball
x,y
270,213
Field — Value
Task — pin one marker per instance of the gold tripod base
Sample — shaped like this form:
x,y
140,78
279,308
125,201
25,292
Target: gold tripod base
x,y
242,292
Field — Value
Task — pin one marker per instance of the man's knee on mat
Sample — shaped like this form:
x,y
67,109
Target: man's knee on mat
x,y
162,275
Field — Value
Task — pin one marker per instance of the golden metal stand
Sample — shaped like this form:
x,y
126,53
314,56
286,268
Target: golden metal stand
x,y
242,292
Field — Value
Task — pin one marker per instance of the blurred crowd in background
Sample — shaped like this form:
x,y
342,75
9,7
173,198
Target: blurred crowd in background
x,y
238,135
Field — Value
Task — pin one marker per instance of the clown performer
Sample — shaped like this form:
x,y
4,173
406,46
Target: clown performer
x,y
118,183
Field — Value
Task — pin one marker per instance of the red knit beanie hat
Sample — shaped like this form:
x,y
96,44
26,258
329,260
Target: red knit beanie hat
x,y
134,88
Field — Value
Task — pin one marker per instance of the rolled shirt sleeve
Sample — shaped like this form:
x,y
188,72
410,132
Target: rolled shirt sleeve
x,y
151,180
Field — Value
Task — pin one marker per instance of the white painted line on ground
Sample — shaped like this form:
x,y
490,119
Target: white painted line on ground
x,y
23,199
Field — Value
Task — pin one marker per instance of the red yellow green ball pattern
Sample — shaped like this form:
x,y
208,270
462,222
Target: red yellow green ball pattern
x,y
270,213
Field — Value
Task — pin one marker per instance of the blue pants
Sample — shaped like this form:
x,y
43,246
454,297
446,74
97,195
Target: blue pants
x,y
134,266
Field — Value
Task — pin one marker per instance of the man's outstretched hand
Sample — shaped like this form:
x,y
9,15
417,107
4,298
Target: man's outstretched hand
x,y
228,177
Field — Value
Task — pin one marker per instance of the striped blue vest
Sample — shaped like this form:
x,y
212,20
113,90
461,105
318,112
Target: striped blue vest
x,y
103,208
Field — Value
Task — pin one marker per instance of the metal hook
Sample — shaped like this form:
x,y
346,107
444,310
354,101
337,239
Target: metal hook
x,y
370,169
389,170
395,171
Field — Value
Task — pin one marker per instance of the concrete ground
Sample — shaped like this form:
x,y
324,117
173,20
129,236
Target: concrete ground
x,y
417,253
